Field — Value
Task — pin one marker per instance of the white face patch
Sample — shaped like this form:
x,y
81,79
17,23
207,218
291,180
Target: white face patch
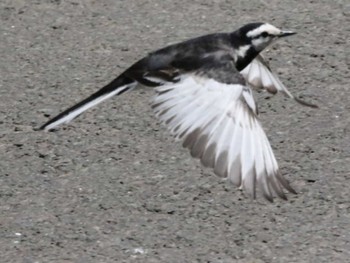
x,y
270,29
261,43
242,51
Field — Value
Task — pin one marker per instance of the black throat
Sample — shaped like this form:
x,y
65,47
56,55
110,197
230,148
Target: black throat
x,y
242,62
238,41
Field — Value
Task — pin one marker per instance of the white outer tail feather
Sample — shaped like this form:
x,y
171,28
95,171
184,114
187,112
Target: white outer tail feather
x,y
75,113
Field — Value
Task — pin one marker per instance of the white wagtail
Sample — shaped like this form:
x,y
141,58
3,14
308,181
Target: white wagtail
x,y
204,96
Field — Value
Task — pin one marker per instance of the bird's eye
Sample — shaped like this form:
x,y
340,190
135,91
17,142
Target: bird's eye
x,y
264,34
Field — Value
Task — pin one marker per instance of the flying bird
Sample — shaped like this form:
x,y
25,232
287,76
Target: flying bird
x,y
204,96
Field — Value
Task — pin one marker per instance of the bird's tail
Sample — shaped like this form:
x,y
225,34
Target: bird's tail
x,y
116,87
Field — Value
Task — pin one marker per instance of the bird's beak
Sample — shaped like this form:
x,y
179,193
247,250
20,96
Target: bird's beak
x,y
286,33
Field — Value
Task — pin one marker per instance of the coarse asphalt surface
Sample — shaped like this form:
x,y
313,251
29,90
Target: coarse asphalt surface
x,y
113,186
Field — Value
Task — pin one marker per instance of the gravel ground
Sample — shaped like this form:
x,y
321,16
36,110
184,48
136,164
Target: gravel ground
x,y
112,186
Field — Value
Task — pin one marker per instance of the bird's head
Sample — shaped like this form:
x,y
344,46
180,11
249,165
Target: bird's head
x,y
260,35
252,38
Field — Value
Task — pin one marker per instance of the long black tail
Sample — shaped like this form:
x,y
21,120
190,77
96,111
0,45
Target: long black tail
x,y
116,87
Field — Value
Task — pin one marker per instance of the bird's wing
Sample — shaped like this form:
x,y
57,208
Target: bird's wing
x,y
218,123
259,75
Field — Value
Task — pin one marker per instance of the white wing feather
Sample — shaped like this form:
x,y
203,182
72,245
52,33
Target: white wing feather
x,y
218,123
259,75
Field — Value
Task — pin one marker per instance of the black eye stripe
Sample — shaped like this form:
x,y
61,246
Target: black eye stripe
x,y
263,34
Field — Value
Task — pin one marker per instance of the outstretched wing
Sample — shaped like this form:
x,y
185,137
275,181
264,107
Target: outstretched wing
x,y
217,121
259,75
